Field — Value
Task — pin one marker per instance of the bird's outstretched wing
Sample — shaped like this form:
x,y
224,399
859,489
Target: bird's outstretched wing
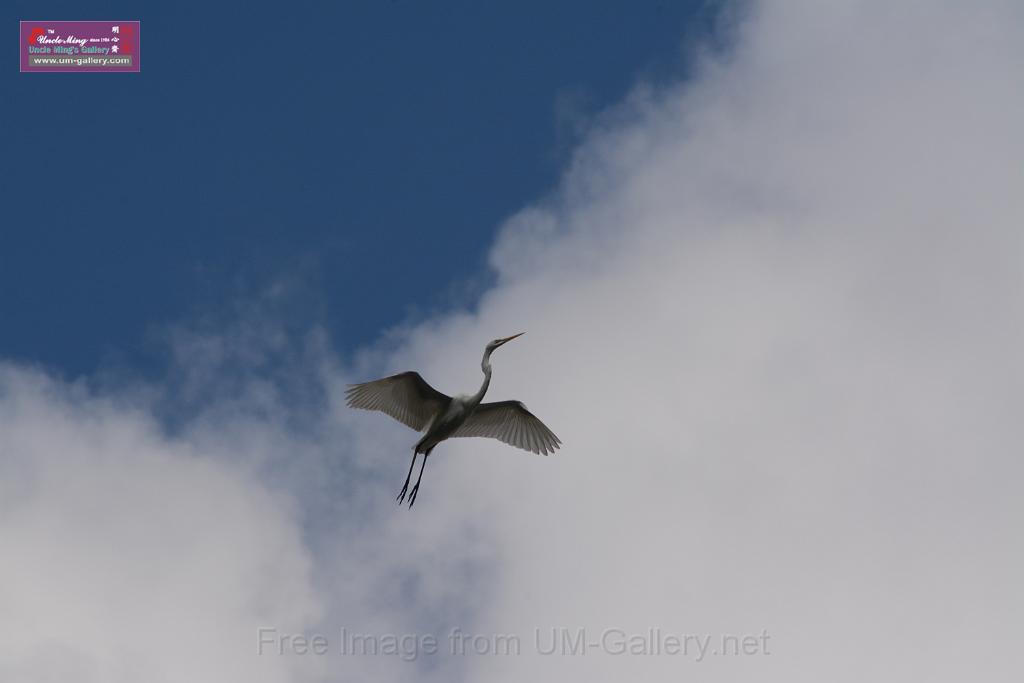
x,y
511,422
406,397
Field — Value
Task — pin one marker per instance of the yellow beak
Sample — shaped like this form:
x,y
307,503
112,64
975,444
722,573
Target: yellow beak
x,y
508,339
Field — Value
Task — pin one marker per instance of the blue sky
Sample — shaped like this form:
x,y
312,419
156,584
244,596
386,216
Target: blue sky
x,y
368,150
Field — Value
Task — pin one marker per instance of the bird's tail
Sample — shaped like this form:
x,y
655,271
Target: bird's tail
x,y
424,447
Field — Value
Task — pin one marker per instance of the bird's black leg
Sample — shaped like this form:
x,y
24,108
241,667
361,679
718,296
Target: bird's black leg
x,y
405,486
416,488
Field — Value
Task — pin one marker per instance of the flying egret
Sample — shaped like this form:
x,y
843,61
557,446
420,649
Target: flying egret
x,y
409,399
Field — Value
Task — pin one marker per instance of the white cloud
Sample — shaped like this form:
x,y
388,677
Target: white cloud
x,y
776,317
129,556
775,314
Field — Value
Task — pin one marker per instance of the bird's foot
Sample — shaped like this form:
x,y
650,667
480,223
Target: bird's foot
x,y
401,494
412,494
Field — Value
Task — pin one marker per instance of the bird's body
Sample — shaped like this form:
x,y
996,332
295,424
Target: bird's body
x,y
446,423
409,399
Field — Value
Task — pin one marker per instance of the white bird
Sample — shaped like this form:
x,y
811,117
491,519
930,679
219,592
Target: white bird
x,y
409,399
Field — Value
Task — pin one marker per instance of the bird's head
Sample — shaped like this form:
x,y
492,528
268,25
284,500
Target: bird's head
x,y
499,342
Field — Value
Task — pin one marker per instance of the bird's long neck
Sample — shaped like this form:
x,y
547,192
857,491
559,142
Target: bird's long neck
x,y
485,365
